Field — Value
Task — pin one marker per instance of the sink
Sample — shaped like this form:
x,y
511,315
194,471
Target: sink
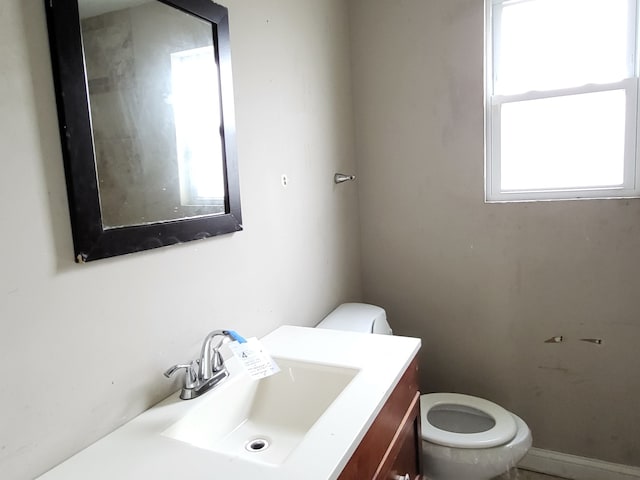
x,y
262,420
312,414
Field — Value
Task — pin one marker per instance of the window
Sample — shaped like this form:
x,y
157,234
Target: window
x,y
561,99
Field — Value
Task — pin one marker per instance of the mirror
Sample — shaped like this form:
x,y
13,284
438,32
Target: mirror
x,y
145,106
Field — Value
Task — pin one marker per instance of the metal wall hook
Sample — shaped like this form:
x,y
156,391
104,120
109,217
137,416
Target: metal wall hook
x,y
597,341
341,177
556,339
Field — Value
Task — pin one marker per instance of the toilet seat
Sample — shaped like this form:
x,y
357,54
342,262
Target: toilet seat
x,y
502,432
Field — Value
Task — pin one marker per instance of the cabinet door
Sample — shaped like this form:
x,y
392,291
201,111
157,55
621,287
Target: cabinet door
x,y
405,453
375,456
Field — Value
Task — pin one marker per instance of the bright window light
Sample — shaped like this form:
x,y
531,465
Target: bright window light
x,y
552,44
562,99
197,114
574,141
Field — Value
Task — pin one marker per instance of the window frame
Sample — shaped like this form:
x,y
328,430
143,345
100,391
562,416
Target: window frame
x,y
493,103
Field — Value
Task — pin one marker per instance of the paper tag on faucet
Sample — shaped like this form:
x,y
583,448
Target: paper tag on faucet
x,y
254,358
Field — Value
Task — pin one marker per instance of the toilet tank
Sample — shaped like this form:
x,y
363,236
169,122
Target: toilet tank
x,y
357,317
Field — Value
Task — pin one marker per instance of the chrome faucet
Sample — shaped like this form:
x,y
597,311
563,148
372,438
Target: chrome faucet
x,y
203,374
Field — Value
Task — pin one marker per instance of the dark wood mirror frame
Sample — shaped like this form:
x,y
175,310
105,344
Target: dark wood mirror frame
x,y
91,240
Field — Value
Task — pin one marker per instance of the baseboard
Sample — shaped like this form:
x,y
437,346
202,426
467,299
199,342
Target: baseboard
x,y
576,468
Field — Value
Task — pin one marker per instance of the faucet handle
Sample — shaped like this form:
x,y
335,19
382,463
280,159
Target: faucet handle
x,y
217,360
191,373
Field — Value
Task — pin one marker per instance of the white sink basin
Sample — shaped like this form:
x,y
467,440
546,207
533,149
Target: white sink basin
x,y
314,413
263,420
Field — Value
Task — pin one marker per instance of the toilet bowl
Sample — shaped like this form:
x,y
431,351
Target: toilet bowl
x,y
469,438
463,437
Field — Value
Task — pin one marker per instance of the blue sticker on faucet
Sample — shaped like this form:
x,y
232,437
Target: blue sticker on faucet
x,y
236,336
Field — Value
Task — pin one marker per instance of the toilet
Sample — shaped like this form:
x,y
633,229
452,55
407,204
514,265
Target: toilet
x,y
463,437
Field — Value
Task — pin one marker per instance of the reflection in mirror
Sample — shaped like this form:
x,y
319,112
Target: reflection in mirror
x,y
155,113
145,105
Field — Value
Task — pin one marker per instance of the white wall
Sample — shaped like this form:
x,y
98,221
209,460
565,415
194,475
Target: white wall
x,y
485,285
83,347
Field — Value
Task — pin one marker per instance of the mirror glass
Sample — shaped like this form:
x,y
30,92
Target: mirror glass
x,y
155,112
145,105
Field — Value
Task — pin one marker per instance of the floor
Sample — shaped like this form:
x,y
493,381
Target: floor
x,y
525,475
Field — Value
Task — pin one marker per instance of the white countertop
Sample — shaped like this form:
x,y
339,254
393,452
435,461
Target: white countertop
x,y
137,450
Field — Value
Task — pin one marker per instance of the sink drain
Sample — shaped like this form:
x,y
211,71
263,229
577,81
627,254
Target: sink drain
x,y
257,445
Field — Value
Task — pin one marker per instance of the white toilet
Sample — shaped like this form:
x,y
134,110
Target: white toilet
x,y
463,437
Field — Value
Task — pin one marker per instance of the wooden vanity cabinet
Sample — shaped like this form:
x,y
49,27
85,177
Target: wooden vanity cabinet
x,y
392,447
